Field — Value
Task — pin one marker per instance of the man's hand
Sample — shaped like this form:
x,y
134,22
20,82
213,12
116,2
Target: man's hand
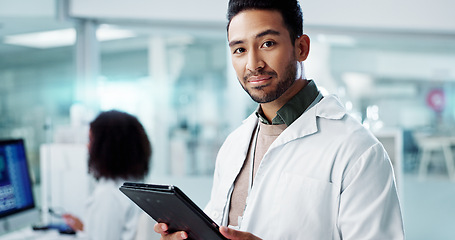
x,y
237,235
162,228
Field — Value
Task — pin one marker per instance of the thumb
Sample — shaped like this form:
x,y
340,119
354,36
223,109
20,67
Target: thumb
x,y
229,232
236,235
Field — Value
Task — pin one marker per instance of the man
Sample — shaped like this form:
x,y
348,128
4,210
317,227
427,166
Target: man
x,y
300,167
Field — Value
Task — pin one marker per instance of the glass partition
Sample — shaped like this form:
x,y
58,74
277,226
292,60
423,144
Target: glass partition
x,y
176,84
180,83
36,92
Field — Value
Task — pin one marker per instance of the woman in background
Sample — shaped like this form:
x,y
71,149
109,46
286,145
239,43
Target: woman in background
x,y
119,151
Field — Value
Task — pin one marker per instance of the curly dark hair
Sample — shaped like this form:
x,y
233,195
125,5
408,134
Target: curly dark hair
x,y
119,147
290,11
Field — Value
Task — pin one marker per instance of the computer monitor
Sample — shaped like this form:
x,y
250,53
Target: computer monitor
x,y
17,204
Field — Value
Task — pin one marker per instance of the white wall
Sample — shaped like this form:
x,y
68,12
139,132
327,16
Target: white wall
x,y
27,8
414,15
176,10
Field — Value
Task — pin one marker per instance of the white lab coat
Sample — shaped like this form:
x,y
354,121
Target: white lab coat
x,y
110,215
324,177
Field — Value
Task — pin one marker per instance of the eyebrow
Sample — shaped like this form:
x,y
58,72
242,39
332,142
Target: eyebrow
x,y
259,35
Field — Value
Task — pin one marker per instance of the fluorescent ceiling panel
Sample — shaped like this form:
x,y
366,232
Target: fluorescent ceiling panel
x,y
63,37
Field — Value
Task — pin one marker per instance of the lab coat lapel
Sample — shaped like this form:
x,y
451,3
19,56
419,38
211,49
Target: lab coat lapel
x,y
238,157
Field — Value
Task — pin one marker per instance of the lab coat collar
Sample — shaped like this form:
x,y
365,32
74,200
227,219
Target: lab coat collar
x,y
329,108
252,120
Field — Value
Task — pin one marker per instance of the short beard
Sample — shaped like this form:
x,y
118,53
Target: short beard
x,y
283,85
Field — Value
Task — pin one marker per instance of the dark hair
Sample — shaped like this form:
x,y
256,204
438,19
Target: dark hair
x,y
290,11
119,147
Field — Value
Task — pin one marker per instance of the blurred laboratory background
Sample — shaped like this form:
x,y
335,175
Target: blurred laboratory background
x,y
392,63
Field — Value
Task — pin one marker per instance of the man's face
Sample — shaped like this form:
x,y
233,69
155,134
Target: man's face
x,y
263,54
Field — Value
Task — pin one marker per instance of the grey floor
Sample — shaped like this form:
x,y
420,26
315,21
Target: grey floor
x,y
429,205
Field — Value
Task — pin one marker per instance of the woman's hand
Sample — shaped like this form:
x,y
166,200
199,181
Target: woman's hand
x,y
74,222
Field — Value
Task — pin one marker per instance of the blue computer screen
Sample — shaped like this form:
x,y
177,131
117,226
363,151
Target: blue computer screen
x,y
16,193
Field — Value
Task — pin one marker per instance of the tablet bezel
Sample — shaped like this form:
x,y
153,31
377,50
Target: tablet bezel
x,y
158,193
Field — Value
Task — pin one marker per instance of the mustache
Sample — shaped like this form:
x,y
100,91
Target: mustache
x,y
259,72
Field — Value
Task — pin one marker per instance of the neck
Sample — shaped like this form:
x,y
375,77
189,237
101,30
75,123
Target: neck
x,y
269,109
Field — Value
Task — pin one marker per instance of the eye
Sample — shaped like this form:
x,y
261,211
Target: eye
x,y
268,44
239,50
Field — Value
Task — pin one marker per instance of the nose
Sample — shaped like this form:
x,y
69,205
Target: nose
x,y
255,61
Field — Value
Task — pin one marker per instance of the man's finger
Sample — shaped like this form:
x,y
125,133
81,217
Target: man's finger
x,y
160,228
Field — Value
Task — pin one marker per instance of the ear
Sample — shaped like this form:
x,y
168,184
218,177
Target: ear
x,y
302,47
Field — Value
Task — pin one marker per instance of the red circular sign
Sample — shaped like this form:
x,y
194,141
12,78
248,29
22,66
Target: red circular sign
x,y
436,100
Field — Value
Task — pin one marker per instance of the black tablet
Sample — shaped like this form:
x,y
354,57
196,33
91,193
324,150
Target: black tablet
x,y
168,204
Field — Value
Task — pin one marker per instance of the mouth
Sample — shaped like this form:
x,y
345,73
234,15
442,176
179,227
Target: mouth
x,y
259,80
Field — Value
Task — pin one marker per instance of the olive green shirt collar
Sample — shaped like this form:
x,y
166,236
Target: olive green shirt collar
x,y
294,107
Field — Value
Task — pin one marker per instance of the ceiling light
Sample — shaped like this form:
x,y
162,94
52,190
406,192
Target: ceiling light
x,y
48,39
107,32
63,37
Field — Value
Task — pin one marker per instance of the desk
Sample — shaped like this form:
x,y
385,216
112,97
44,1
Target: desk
x,y
431,143
29,234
